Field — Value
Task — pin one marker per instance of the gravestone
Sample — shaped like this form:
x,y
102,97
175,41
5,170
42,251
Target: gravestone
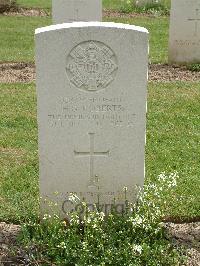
x,y
91,89
76,10
184,40
141,3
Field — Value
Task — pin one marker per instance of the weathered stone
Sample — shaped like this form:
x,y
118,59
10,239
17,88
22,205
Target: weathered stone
x,y
184,41
76,10
91,86
145,2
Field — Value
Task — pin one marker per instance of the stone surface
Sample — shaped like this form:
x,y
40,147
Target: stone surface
x,y
144,2
91,88
184,41
76,10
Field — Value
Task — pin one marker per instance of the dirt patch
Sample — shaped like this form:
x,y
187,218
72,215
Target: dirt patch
x,y
25,72
164,72
8,235
27,12
186,235
17,72
34,12
118,14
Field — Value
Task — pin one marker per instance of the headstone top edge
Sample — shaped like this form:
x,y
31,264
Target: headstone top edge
x,y
90,24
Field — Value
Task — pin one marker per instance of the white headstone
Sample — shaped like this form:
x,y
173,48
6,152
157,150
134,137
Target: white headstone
x,y
145,2
91,89
64,11
184,41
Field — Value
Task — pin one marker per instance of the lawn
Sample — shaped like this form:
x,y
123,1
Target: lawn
x,y
17,36
173,128
158,35
108,4
172,145
173,141
18,148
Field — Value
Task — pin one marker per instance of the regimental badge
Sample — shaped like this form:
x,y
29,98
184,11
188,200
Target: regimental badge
x,y
91,66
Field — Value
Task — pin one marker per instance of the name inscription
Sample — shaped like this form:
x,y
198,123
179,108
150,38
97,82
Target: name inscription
x,y
97,111
187,42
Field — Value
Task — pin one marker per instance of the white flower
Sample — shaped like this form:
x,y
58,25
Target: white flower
x,y
162,176
94,226
137,220
101,216
125,189
74,198
137,248
62,245
46,216
88,220
84,245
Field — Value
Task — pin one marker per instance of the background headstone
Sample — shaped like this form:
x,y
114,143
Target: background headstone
x,y
144,2
91,86
76,10
184,40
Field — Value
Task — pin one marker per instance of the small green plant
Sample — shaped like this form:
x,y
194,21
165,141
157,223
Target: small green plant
x,y
154,8
134,237
127,6
194,67
157,8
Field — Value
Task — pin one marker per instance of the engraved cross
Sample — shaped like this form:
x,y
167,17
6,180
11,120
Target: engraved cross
x,y
92,154
196,20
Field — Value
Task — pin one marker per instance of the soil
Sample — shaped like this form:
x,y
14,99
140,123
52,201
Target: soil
x,y
185,235
118,14
25,72
27,12
164,72
8,235
34,12
17,72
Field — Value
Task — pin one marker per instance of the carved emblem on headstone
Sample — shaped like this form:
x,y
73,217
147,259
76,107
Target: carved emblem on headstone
x,y
91,66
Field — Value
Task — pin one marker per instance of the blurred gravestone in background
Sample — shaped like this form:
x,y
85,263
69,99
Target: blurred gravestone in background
x,y
64,11
184,33
144,2
6,5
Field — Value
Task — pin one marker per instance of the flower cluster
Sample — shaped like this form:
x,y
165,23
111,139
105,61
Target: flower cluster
x,y
134,237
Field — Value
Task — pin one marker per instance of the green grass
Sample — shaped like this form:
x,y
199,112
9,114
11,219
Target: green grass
x,y
172,145
120,4
134,238
173,128
18,152
17,36
108,4
158,35
173,141
45,4
114,4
